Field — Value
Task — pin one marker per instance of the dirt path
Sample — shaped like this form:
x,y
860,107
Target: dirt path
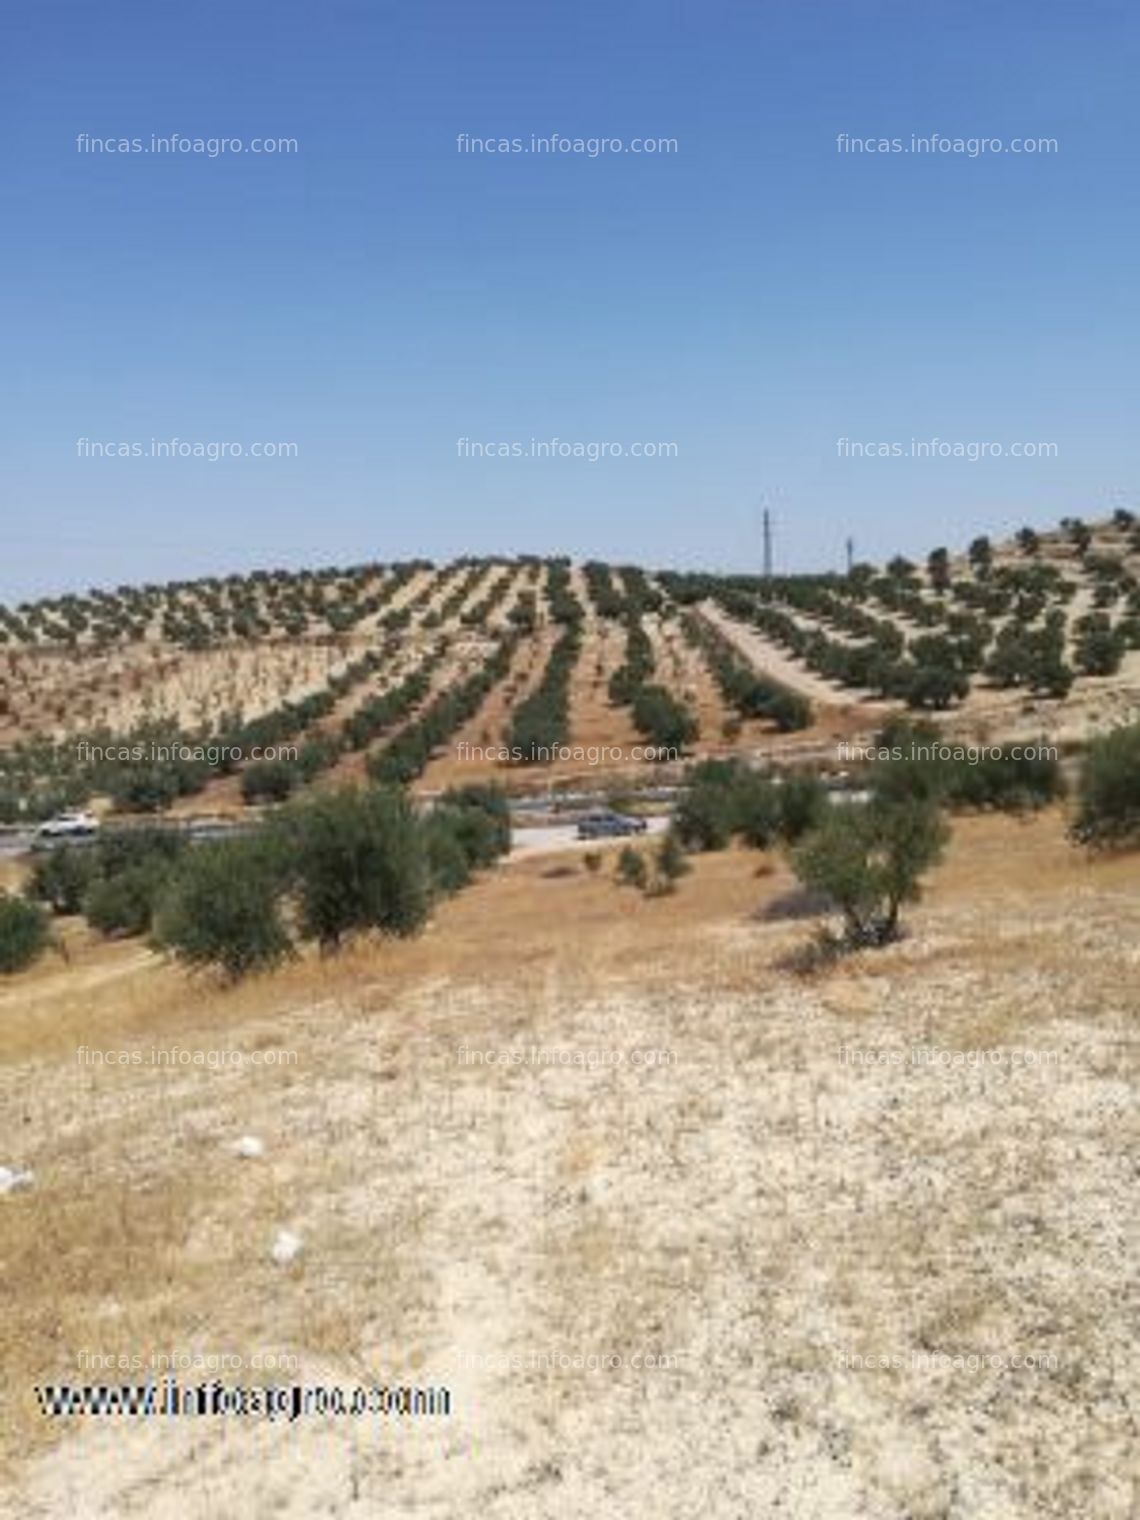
x,y
772,659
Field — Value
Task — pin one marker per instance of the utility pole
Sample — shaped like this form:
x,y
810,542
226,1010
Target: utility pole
x,y
767,545
850,554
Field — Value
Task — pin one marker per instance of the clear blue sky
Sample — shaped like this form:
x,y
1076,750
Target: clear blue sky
x,y
378,295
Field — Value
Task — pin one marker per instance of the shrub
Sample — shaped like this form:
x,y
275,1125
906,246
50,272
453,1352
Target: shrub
x,y
1099,648
962,777
754,805
449,863
268,781
1027,540
1032,657
317,755
592,860
467,830
223,907
980,554
704,818
359,862
143,789
868,861
1010,782
803,804
24,932
488,819
666,723
938,569
61,877
631,868
1108,790
670,861
727,798
121,850
125,903
789,710
132,869
935,685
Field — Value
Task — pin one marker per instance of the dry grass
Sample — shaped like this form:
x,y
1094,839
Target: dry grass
x,y
756,1205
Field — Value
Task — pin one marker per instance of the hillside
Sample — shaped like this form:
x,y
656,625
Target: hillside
x,y
817,1233
728,1225
418,673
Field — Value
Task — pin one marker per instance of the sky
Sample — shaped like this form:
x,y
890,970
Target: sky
x,y
744,299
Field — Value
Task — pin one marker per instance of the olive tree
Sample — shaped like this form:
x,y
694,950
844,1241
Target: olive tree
x,y
868,861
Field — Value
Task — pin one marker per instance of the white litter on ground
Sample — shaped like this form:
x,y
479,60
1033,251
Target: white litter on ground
x,y
285,1247
249,1146
13,1182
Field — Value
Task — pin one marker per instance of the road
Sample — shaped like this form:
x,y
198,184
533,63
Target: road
x,y
20,841
564,836
524,841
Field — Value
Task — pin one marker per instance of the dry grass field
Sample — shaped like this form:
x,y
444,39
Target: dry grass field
x,y
751,1197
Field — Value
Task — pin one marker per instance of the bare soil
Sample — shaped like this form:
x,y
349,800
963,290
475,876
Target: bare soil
x,y
732,1218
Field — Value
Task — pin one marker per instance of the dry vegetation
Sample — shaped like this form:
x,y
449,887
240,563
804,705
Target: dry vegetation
x,y
750,1203
756,1207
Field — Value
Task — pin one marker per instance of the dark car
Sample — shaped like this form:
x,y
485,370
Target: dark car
x,y
607,825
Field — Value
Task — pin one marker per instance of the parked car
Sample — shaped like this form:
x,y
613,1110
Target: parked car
x,y
69,826
607,825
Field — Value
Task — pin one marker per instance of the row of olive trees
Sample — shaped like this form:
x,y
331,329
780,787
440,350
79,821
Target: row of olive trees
x,y
953,644
540,724
344,862
749,694
665,722
323,868
200,614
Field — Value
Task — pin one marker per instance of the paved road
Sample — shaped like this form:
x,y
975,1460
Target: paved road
x,y
564,836
525,841
20,841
